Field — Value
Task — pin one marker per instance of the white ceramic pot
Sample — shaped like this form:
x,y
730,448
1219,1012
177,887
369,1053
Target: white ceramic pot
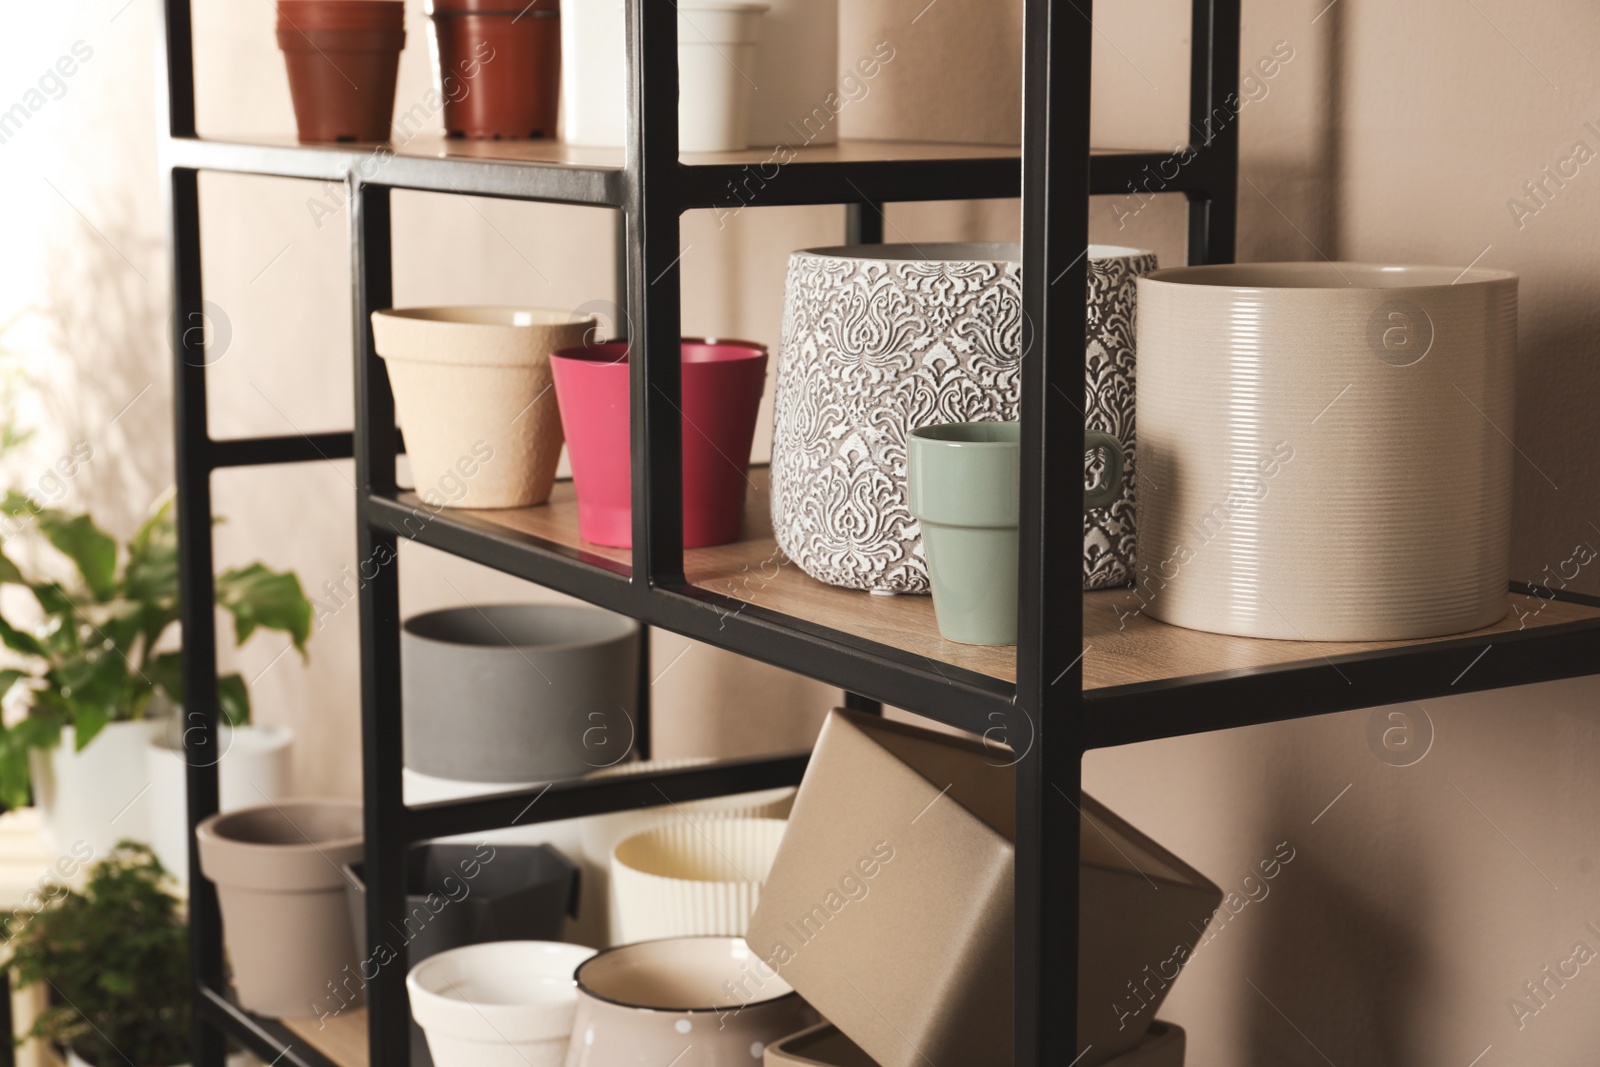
x,y
501,1004
691,878
797,96
600,833
594,72
1324,449
473,390
717,41
795,70
97,796
253,768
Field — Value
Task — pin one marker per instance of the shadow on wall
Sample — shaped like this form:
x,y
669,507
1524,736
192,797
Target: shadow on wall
x,y
1336,975
109,381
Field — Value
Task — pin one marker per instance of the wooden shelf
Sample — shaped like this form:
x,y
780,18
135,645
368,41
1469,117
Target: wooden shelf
x,y
1120,648
341,1039
755,571
1125,649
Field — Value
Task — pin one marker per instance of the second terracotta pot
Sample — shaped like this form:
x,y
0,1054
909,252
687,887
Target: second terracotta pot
x,y
722,384
343,61
285,920
499,66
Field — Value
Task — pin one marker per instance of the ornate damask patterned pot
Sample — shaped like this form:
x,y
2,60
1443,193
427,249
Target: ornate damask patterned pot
x,y
879,340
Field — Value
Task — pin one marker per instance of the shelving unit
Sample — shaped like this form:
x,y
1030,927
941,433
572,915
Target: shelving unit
x,y
1086,672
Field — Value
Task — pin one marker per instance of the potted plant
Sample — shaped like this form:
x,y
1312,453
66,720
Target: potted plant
x,y
96,676
116,956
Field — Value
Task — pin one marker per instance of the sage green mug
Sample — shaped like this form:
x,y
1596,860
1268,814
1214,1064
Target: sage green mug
x,y
965,484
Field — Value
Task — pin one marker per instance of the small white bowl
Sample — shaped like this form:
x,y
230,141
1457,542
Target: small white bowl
x,y
500,1004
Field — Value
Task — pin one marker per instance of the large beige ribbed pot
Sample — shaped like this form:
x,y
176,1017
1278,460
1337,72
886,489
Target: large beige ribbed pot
x,y
285,919
473,390
1325,449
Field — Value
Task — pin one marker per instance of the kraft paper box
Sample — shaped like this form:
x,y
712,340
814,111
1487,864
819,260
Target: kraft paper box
x,y
890,904
825,1046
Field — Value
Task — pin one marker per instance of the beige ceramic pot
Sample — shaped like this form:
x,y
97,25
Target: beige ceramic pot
x,y
691,878
1325,449
690,1002
473,390
285,920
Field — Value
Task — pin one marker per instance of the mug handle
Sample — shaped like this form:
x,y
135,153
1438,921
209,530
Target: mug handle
x,y
1110,488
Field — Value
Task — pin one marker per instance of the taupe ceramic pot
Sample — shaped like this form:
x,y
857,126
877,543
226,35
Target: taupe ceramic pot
x,y
285,921
690,1002
1325,449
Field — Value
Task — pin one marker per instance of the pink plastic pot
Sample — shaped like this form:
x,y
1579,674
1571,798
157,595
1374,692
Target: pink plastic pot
x,y
722,385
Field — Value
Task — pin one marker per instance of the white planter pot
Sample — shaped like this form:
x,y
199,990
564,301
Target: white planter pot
x,y
717,42
691,878
253,769
97,796
501,1004
717,63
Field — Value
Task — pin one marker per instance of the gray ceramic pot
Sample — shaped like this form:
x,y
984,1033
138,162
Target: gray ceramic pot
x,y
518,692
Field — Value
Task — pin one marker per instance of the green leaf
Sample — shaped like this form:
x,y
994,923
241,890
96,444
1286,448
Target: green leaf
x,y
87,722
9,678
41,730
233,700
53,599
152,569
259,597
18,641
89,547
15,503
9,574
166,673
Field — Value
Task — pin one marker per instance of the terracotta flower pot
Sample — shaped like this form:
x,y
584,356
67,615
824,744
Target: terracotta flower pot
x,y
722,384
343,58
473,388
499,66
285,920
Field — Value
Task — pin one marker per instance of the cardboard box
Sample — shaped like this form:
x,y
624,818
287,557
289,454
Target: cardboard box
x,y
825,1046
890,905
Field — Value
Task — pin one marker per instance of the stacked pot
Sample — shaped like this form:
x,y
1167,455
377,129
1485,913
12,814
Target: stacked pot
x,y
343,58
499,66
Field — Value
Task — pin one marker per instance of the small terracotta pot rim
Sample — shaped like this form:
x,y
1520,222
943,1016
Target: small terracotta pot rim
x,y
584,990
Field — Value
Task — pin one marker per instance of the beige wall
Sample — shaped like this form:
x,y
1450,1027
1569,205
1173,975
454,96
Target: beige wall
x,y
1417,905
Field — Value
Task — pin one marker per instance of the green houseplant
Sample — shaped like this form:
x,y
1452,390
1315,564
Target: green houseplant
x,y
95,657
115,955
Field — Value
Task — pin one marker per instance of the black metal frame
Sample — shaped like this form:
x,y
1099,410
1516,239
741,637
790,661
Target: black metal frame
x,y
1047,716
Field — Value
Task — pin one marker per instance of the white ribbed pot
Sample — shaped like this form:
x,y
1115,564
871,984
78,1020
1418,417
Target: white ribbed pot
x,y
600,834
474,394
691,878
1326,449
